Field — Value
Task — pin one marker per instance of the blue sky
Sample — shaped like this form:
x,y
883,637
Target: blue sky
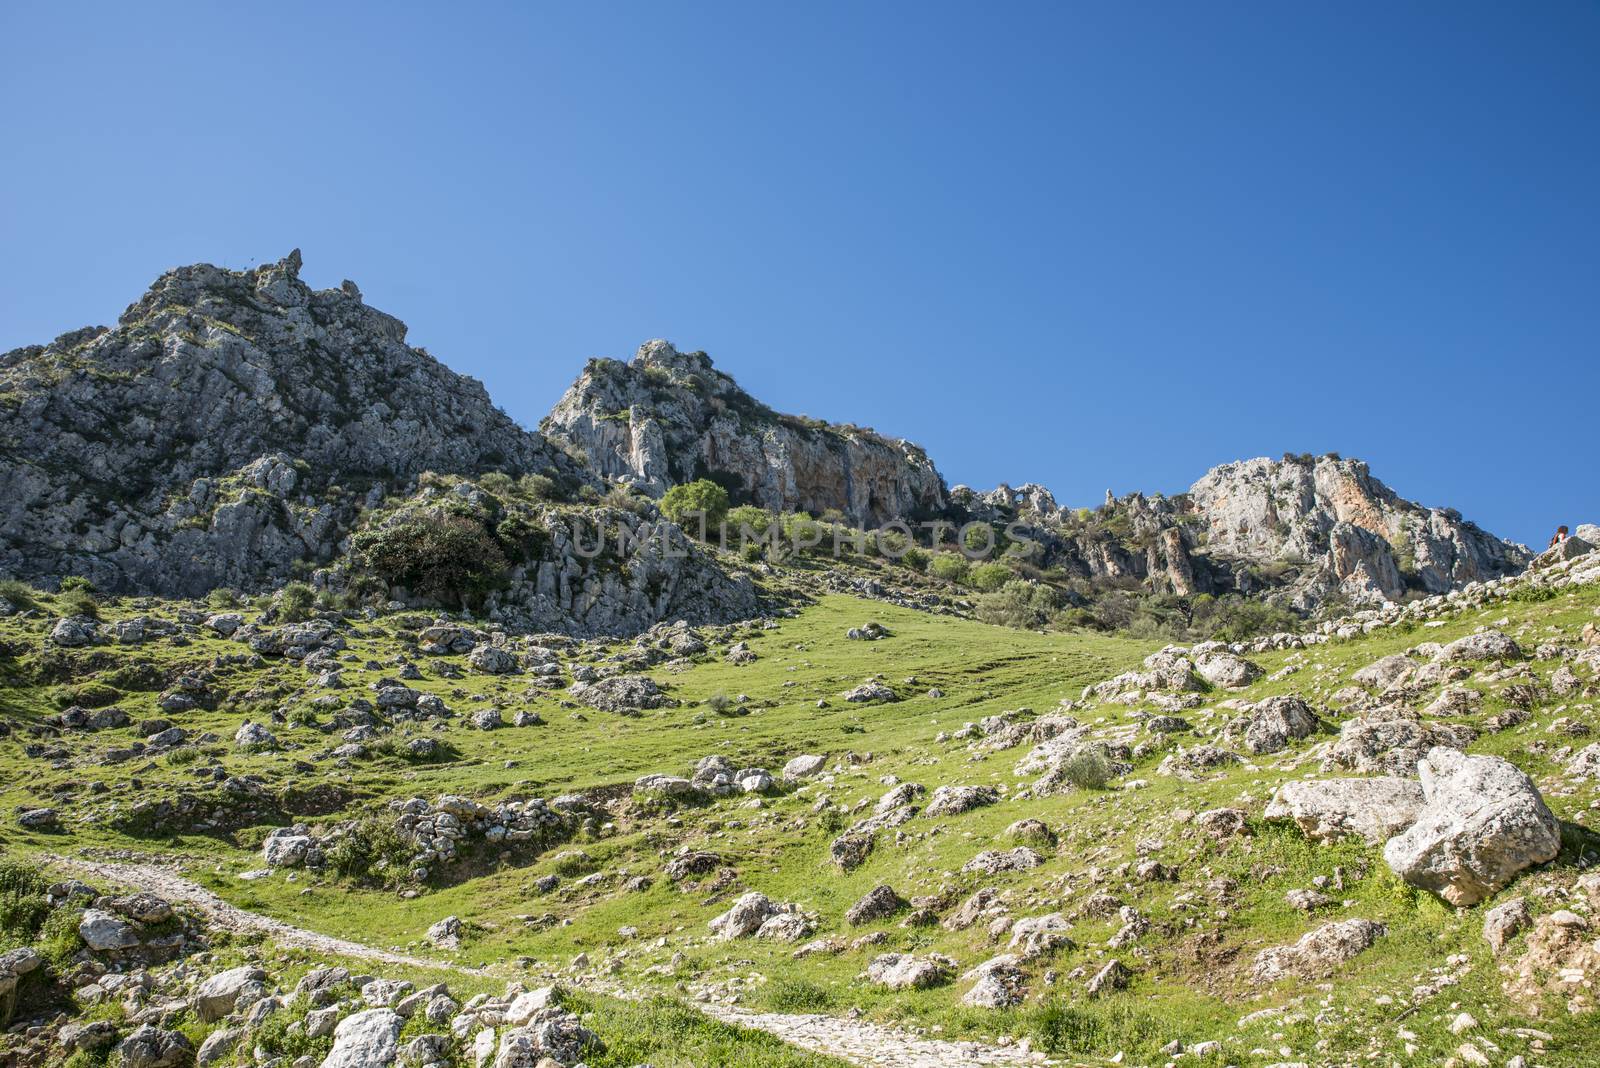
x,y
1088,244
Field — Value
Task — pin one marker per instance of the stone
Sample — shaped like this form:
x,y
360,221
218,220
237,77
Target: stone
x,y
214,998
1272,724
254,736
1387,742
1114,975
905,971
446,934
993,862
1329,809
152,1047
104,932
1318,953
1504,922
879,903
1483,823
1485,645
803,767
954,800
492,660
367,1039
744,918
1226,670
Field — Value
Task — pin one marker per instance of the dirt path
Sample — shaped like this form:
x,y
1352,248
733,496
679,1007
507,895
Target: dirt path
x,y
866,1044
174,887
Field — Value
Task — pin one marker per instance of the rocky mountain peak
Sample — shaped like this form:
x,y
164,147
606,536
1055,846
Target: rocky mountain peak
x,y
224,428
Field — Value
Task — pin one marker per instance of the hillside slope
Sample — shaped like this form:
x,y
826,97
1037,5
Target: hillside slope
x,y
1371,842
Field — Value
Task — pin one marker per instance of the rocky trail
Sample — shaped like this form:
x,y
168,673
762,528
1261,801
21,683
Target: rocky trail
x,y
167,883
857,1041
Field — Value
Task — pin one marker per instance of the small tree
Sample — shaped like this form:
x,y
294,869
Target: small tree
x,y
687,505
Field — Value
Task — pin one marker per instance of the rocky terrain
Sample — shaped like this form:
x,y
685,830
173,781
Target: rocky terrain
x,y
1306,531
346,724
668,417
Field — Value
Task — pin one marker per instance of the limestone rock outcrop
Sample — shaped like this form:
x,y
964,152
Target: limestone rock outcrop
x,y
230,424
668,417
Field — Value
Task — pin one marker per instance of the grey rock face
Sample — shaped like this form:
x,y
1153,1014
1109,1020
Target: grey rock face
x,y
1484,822
668,417
196,443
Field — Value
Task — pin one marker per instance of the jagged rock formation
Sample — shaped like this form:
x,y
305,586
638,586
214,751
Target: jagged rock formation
x,y
230,424
669,417
1302,530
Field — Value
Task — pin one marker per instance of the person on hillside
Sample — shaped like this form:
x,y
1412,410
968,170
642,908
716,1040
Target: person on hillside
x,y
1560,536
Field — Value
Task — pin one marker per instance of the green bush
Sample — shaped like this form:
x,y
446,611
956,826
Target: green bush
x,y
990,576
949,567
688,504
537,487
295,602
20,594
1023,605
222,597
79,603
748,521
450,560
372,851
76,583
916,559
1087,769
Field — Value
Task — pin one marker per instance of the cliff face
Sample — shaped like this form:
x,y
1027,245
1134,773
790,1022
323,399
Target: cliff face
x,y
1302,531
1362,539
230,424
668,417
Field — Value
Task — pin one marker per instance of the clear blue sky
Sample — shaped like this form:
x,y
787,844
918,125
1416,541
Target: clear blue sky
x,y
1088,244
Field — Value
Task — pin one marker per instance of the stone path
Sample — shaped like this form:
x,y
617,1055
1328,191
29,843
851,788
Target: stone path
x,y
865,1044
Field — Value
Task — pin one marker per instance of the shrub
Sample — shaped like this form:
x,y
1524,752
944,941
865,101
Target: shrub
x,y
949,566
1023,605
1087,769
450,560
498,483
720,703
990,576
79,603
20,594
76,583
916,559
295,602
537,487
370,851
690,503
23,908
222,597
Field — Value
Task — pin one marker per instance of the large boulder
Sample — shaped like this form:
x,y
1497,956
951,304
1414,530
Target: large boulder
x,y
104,932
152,1047
1485,645
745,917
1272,724
903,971
1484,822
1329,809
369,1039
215,998
1226,670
